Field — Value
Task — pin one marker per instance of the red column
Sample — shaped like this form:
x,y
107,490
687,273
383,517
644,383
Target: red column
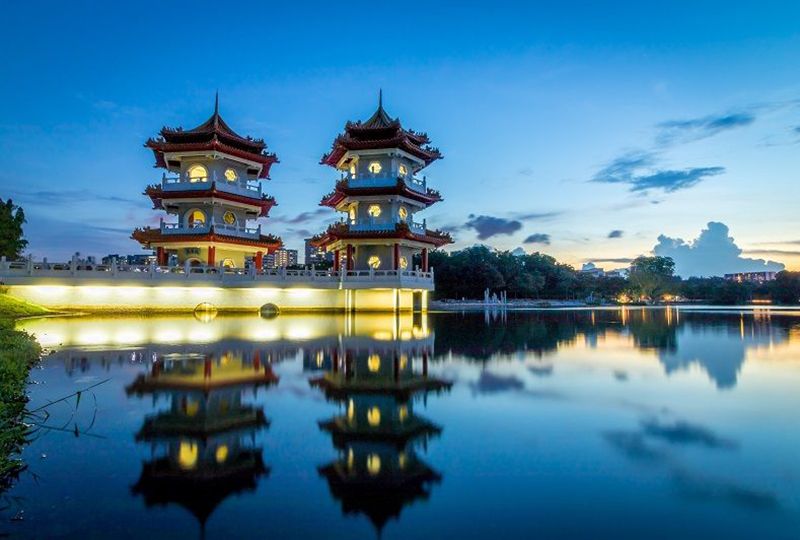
x,y
211,255
425,259
207,368
397,256
259,260
336,259
350,261
161,256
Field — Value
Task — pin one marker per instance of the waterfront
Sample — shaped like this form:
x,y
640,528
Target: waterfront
x,y
625,422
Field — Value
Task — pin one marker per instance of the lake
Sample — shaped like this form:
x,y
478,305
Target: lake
x,y
631,423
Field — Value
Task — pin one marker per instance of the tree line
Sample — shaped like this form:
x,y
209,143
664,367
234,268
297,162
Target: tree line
x,y
467,273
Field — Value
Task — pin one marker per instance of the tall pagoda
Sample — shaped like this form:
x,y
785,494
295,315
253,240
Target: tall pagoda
x,y
380,192
212,187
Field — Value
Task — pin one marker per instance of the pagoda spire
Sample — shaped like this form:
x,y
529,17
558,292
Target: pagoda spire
x,y
216,108
380,98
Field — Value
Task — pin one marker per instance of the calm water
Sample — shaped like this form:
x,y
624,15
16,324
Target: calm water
x,y
628,423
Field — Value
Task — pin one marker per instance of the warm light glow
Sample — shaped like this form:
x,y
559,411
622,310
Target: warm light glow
x,y
402,460
402,170
402,413
374,362
352,170
374,464
375,167
198,173
374,417
374,210
352,213
221,454
403,362
191,407
230,175
196,218
351,411
187,455
229,218
403,213
403,263
350,459
228,263
374,262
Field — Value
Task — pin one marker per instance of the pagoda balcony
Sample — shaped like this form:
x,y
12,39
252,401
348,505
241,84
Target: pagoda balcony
x,y
386,225
247,188
230,230
416,183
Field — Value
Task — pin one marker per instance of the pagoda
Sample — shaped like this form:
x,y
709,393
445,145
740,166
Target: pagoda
x,y
202,445
380,192
378,470
212,185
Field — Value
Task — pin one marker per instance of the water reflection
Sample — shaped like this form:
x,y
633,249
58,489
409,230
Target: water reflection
x,y
378,470
203,445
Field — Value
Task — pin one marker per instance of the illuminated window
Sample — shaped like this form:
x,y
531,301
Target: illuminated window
x,y
374,362
351,411
229,218
221,454
374,262
374,416
191,406
375,167
403,213
373,464
320,359
352,213
228,263
352,170
402,413
350,459
374,210
403,361
402,460
187,455
402,170
198,173
403,263
197,218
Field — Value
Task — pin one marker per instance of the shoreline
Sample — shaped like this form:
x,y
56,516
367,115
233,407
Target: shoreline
x,y
544,305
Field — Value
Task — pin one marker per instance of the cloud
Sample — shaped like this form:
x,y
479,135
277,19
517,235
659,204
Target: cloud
x,y
525,171
712,253
538,238
50,198
700,128
683,433
488,226
638,170
305,217
796,129
536,216
616,233
772,252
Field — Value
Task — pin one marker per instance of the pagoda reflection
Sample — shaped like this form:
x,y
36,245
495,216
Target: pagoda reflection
x,y
378,470
203,446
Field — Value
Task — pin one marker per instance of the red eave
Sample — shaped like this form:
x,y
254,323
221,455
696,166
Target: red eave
x,y
342,232
342,190
147,236
161,147
156,194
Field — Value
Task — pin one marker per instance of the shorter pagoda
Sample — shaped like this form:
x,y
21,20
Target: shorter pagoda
x,y
214,192
380,193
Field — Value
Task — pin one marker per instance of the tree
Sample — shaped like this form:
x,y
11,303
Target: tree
x,y
786,288
12,217
651,276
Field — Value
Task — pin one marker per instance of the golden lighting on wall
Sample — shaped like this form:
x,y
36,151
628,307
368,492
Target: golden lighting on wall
x,y
374,464
351,411
187,455
374,416
374,210
402,169
221,455
402,413
375,167
197,173
403,263
230,175
374,262
374,363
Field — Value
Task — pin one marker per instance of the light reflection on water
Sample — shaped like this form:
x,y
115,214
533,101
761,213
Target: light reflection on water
x,y
631,422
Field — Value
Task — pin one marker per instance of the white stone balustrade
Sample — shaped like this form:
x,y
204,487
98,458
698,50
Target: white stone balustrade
x,y
247,188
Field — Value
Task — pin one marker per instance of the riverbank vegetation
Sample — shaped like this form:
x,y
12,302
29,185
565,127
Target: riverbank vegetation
x,y
469,272
18,352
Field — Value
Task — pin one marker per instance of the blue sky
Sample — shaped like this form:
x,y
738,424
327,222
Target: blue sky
x,y
589,130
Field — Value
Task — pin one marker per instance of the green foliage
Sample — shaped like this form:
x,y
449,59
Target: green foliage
x,y
12,218
786,288
651,276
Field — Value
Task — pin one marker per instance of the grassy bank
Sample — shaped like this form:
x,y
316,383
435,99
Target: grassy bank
x,y
18,352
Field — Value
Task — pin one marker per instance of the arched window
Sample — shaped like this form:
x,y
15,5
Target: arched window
x,y
374,464
375,167
374,262
230,175
374,416
221,455
402,413
403,263
228,263
187,455
197,173
374,363
197,218
374,210
352,170
352,213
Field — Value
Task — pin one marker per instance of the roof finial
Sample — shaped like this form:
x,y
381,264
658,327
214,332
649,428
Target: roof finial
x,y
380,98
216,103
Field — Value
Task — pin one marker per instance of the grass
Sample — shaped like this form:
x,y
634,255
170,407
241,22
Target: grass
x,y
18,352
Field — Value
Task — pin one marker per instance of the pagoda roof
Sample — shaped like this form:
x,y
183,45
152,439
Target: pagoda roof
x,y
158,195
147,236
415,427
377,132
341,231
213,134
169,424
343,190
338,387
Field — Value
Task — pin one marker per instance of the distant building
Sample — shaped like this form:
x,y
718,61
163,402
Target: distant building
x,y
316,255
281,258
140,259
618,273
751,277
591,270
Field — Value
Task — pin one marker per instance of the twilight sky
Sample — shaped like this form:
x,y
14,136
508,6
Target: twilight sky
x,y
592,133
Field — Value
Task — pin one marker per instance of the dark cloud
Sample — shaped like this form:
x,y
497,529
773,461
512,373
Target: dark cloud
x,y
305,217
683,433
700,128
616,233
538,238
638,170
488,226
713,253
771,252
48,198
535,216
